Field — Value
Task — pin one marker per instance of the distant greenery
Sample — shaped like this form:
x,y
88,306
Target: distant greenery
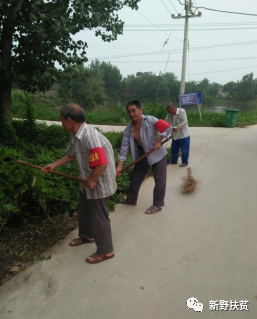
x,y
118,115
243,90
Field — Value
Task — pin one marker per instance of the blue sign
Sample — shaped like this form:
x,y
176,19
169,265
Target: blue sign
x,y
199,97
190,98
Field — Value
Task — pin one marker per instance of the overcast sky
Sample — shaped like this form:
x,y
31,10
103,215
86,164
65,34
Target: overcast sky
x,y
221,55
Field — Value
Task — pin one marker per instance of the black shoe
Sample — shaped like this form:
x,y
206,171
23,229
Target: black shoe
x,y
125,202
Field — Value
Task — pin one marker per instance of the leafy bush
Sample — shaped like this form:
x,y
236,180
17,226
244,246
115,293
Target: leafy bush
x,y
115,138
53,136
19,103
157,110
27,193
117,116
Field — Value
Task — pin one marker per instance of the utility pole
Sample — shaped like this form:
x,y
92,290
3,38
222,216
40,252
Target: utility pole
x,y
189,14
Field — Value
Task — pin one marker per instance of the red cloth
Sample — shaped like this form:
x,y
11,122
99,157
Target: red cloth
x,y
97,157
161,126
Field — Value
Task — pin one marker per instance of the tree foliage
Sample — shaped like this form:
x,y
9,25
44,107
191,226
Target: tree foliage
x,y
209,90
148,87
81,86
111,77
37,34
244,90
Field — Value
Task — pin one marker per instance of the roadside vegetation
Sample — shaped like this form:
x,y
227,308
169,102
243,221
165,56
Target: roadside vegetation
x,y
47,107
39,209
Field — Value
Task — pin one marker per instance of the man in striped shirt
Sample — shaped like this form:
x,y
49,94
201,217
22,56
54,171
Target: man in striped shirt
x,y
95,158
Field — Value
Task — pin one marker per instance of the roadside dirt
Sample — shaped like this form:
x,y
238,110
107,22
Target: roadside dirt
x,y
22,245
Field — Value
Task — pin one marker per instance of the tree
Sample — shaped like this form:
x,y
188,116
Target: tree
x,y
111,77
244,90
247,87
230,89
81,86
150,87
37,34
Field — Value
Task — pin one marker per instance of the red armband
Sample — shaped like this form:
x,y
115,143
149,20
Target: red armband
x,y
161,126
97,157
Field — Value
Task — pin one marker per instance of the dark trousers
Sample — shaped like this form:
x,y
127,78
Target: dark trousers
x,y
184,145
94,222
138,174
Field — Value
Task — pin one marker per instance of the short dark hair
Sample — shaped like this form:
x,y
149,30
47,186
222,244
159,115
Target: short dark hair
x,y
134,102
74,111
171,106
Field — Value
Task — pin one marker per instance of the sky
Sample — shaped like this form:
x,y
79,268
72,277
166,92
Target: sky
x,y
222,46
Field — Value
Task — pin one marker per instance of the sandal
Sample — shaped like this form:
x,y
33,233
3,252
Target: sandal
x,y
153,210
126,202
98,258
182,165
80,241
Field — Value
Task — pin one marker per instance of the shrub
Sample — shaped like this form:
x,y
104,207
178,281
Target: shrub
x,y
19,103
27,193
53,136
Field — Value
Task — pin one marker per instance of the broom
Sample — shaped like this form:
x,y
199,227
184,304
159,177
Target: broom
x,y
189,183
143,156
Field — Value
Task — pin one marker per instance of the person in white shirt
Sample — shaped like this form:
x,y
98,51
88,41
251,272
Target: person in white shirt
x,y
180,134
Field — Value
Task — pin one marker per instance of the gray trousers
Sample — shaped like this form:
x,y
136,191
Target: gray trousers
x,y
94,222
138,174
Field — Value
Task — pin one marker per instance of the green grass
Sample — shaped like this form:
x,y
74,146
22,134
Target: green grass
x,y
247,118
209,119
47,107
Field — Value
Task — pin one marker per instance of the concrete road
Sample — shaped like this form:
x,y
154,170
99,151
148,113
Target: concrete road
x,y
201,245
103,128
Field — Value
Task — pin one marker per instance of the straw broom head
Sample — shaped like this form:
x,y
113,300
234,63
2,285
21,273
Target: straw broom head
x,y
189,183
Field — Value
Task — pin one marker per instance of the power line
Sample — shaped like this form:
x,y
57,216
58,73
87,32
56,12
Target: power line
x,y
195,24
167,63
232,12
156,26
166,7
151,22
173,6
192,29
133,46
179,50
162,47
174,61
247,67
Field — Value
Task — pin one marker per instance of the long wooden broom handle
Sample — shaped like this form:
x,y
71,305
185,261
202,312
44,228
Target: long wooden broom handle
x,y
52,171
143,156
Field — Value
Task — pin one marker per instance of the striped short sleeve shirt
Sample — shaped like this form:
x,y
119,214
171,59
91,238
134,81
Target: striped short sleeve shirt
x,y
87,138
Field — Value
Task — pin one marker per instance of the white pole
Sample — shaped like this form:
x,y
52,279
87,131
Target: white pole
x,y
183,72
200,112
